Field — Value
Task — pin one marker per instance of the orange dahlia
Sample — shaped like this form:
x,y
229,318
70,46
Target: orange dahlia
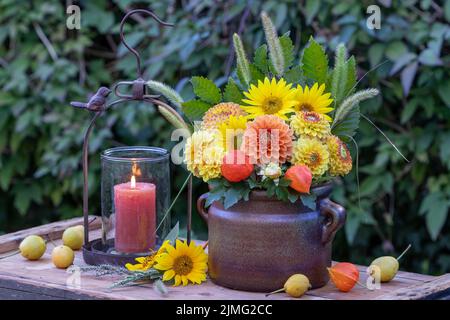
x,y
340,158
220,113
267,139
311,124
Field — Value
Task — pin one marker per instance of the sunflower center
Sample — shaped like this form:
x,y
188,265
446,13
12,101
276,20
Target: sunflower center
x,y
183,265
306,107
272,105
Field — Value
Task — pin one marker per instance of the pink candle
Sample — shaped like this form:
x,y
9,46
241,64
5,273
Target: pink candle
x,y
135,216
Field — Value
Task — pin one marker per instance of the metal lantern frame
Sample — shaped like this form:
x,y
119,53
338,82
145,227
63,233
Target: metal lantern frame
x,y
94,252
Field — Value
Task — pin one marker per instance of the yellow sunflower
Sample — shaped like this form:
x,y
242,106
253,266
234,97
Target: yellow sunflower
x,y
183,263
145,263
311,124
313,99
270,97
340,158
313,154
204,153
232,130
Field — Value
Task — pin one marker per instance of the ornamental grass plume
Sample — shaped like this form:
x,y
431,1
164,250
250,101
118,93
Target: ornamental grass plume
x,y
267,139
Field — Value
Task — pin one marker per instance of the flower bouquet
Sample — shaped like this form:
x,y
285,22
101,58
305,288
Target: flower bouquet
x,y
268,145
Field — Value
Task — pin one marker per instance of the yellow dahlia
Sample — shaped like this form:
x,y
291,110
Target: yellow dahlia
x,y
204,153
313,154
267,139
220,113
183,263
270,97
232,130
340,158
313,99
311,124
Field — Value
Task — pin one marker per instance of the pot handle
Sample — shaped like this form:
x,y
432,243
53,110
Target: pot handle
x,y
335,216
201,207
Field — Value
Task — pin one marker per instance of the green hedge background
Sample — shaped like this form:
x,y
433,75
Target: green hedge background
x,y
41,136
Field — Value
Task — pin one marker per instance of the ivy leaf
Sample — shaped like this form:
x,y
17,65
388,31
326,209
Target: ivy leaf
x,y
232,196
194,109
293,197
282,193
309,200
260,59
294,75
206,90
287,48
232,93
435,206
315,62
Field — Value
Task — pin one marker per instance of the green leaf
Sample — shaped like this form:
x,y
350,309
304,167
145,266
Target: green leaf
x,y
287,47
215,195
309,200
315,62
311,9
293,197
349,125
173,234
255,74
428,57
350,65
260,59
375,53
294,75
232,196
232,93
206,90
195,109
435,206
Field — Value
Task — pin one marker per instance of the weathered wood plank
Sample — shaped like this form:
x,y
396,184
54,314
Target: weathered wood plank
x,y
51,231
23,279
421,290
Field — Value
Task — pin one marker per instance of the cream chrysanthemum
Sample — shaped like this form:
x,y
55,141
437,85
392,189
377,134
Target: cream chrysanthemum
x,y
313,99
220,113
183,263
340,157
204,153
232,130
311,124
269,98
313,154
267,139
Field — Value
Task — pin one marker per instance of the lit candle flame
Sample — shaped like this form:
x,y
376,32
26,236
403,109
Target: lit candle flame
x,y
133,182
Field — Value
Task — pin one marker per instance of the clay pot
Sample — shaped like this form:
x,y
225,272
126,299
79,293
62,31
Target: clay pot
x,y
256,245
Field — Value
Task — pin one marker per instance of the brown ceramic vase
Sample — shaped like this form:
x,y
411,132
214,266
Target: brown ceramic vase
x,y
256,245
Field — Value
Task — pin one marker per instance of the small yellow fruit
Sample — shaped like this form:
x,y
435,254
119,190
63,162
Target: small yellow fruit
x,y
73,237
62,256
297,285
32,247
388,267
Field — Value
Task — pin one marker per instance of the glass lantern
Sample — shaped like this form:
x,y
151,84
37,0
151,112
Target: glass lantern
x,y
135,197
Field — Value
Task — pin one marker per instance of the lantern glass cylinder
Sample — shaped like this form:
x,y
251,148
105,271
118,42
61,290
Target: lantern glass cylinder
x,y
135,196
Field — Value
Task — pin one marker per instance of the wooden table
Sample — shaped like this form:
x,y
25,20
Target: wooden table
x,y
23,279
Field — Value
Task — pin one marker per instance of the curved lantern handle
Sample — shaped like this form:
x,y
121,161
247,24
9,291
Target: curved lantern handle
x,y
138,94
122,38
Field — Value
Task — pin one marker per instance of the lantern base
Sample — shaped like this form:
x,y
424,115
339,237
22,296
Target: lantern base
x,y
96,253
